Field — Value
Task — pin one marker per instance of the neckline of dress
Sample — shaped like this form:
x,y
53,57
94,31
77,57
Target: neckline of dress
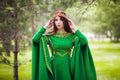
x,y
62,35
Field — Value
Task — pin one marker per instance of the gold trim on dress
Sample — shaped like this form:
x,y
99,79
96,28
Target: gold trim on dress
x,y
62,55
46,58
62,35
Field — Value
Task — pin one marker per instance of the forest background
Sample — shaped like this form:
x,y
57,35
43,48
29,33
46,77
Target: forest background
x,y
99,20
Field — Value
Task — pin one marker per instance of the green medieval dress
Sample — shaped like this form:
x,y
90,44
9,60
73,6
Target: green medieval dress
x,y
61,57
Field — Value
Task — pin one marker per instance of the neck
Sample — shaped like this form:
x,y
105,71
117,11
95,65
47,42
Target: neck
x,y
61,31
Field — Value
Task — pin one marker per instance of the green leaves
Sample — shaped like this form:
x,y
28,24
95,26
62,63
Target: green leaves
x,y
107,14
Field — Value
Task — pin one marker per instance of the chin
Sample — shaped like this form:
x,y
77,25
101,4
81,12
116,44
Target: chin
x,y
59,27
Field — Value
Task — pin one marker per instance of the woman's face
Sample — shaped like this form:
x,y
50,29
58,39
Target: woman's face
x,y
59,23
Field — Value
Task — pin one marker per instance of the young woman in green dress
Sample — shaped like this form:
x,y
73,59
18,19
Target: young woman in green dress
x,y
63,54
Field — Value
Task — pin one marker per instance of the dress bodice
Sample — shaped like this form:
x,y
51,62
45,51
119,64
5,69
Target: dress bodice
x,y
61,44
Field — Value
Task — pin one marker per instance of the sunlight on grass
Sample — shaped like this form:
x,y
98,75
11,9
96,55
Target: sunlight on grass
x,y
6,72
25,72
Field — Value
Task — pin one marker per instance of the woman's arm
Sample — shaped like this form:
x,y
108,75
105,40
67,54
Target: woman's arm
x,y
41,31
38,34
77,32
81,37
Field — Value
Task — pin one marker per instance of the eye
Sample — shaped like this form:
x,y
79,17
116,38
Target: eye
x,y
56,19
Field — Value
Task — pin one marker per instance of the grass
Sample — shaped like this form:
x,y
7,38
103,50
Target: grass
x,y
6,72
105,54
106,58
24,58
25,72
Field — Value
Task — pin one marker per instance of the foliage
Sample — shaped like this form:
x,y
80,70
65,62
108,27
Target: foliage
x,y
13,16
107,19
12,25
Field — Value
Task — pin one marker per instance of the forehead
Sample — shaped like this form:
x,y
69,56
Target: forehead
x,y
57,17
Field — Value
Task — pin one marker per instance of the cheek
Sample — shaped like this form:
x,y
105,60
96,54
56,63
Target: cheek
x,y
62,23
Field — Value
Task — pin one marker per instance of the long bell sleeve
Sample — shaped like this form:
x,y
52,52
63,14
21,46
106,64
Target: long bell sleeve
x,y
38,34
83,39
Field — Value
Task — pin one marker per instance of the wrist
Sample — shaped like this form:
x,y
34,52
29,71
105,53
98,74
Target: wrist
x,y
44,27
75,29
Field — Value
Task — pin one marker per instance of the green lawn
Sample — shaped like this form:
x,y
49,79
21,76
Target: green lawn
x,y
6,71
106,56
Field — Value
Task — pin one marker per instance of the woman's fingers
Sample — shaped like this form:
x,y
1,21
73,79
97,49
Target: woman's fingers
x,y
72,25
49,23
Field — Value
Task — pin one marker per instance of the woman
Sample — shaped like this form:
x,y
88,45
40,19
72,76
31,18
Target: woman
x,y
67,57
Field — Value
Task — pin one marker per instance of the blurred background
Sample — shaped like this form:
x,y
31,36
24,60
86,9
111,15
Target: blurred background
x,y
99,20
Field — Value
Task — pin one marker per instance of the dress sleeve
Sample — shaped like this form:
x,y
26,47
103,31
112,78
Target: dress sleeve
x,y
81,37
38,34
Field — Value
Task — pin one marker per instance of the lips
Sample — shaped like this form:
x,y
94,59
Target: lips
x,y
58,25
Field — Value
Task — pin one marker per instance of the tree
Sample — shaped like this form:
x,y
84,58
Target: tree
x,y
12,25
107,19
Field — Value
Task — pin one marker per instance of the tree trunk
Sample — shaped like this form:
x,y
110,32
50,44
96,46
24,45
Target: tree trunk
x,y
15,41
15,59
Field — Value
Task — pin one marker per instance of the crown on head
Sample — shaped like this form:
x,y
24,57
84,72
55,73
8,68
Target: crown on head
x,y
60,13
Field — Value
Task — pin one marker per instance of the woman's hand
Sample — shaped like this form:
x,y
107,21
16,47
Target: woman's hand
x,y
49,24
72,25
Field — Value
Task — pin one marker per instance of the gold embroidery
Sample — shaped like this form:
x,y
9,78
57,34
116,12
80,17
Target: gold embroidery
x,y
62,35
62,55
47,39
46,58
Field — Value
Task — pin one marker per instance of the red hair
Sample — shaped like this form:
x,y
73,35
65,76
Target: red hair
x,y
65,23
63,17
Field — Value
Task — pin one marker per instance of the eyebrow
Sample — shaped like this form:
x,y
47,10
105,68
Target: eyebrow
x,y
57,19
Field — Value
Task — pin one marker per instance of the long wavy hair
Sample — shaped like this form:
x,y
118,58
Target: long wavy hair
x,y
65,23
